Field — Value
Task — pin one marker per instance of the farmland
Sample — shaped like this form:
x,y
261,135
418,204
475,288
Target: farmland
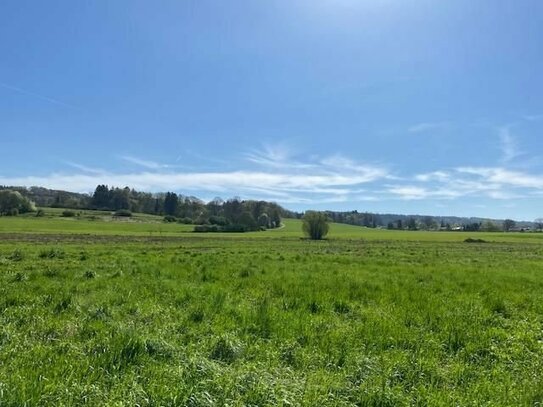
x,y
100,311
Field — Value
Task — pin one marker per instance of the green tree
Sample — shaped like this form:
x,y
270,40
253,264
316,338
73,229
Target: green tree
x,y
508,224
429,223
489,226
249,223
101,198
13,203
275,218
315,225
171,201
264,220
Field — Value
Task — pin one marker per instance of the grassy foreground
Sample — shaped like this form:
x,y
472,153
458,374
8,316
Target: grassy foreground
x,y
128,318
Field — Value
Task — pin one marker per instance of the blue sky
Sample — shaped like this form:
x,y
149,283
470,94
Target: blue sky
x,y
405,106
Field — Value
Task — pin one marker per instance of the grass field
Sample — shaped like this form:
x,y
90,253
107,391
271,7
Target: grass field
x,y
101,312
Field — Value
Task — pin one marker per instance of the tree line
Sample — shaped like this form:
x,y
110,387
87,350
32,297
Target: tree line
x,y
216,215
436,223
220,214
234,214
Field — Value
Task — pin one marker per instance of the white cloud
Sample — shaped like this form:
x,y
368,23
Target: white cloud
x,y
277,174
433,176
277,156
336,179
86,169
143,163
508,144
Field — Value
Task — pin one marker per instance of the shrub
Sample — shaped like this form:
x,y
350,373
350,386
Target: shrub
x,y
206,228
68,213
170,218
235,228
218,220
185,221
125,213
315,225
13,212
40,213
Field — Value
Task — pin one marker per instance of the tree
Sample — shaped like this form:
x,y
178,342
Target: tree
x,y
171,201
508,224
120,198
264,220
275,218
411,224
233,209
429,223
101,197
246,219
13,203
315,225
489,226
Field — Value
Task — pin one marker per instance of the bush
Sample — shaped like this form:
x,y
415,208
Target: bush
x,y
125,213
40,213
185,221
315,225
218,220
68,214
235,228
170,218
13,212
207,228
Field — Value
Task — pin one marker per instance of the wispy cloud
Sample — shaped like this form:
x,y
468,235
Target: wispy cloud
x,y
280,175
425,127
151,165
508,144
85,168
433,176
277,156
334,178
38,96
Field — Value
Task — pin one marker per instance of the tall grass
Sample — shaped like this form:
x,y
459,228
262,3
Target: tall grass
x,y
275,321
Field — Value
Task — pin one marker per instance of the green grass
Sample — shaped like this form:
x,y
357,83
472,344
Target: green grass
x,y
91,222
105,313
102,223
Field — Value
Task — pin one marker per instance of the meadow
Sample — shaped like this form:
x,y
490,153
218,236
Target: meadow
x,y
95,311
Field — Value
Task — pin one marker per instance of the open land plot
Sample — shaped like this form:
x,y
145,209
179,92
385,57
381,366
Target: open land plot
x,y
366,318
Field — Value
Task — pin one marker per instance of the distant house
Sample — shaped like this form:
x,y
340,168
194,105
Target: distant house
x,y
521,229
